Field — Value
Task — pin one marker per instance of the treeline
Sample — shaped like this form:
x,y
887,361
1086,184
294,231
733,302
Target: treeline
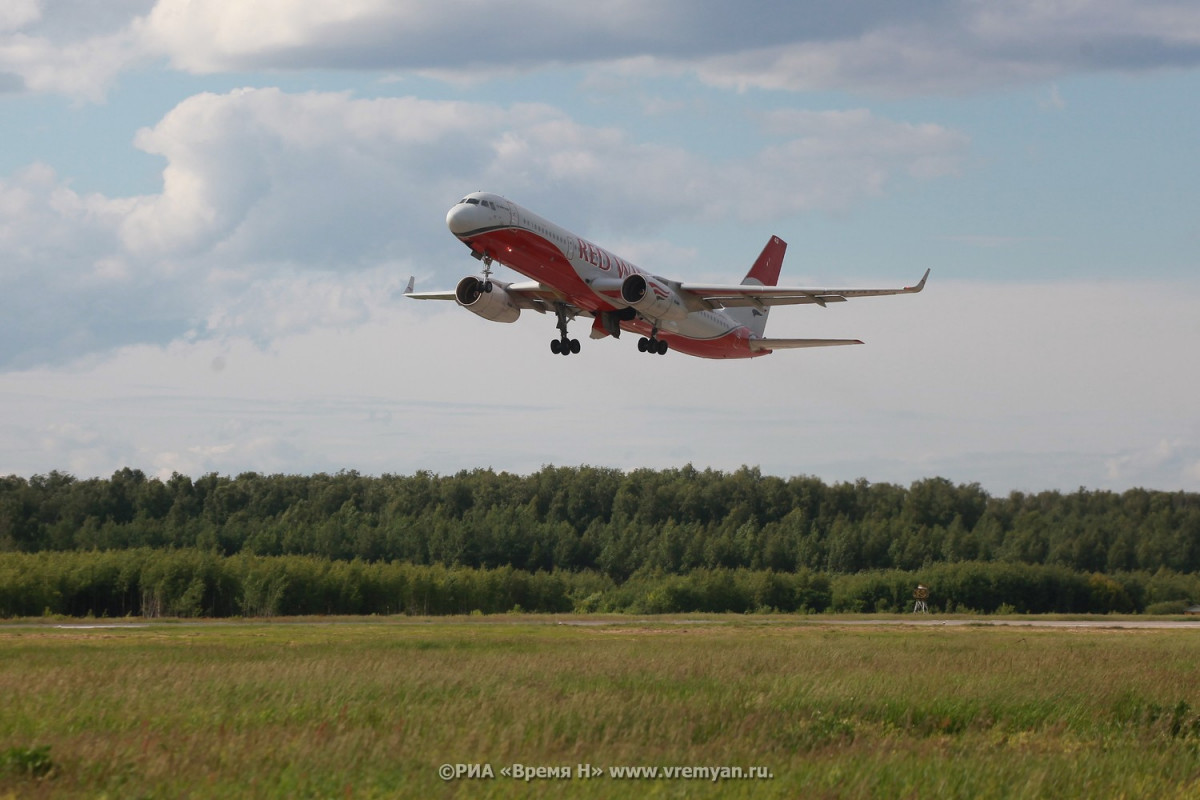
x,y
193,583
605,520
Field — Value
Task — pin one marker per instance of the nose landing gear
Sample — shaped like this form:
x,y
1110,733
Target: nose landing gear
x,y
486,284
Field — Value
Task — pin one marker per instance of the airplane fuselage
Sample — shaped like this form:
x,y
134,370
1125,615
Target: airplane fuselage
x,y
588,276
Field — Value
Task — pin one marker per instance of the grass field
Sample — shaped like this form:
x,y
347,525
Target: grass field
x,y
372,709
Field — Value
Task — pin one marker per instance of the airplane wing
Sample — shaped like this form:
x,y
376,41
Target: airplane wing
x,y
526,294
716,296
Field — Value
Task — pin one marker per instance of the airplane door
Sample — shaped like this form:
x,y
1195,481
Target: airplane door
x,y
506,211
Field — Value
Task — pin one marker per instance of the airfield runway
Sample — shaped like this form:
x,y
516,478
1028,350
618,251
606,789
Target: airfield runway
x,y
931,622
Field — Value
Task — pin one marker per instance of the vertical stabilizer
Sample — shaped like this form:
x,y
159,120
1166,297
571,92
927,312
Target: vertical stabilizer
x,y
765,272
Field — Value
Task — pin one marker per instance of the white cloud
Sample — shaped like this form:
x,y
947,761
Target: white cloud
x,y
70,47
16,14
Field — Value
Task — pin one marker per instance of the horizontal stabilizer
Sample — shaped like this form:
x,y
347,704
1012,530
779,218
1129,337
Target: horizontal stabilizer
x,y
787,344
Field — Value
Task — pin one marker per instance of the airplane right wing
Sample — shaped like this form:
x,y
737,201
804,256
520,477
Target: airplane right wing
x,y
757,296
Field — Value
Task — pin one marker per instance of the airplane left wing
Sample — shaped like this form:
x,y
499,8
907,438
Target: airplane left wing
x,y
526,294
536,296
717,296
529,294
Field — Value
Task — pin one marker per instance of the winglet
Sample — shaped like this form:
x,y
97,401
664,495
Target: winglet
x,y
920,285
411,280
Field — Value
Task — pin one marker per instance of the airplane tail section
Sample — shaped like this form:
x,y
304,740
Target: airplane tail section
x,y
765,272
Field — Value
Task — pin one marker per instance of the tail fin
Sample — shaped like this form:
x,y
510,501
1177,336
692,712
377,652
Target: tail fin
x,y
765,272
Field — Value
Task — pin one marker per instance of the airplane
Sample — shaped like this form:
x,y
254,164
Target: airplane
x,y
571,278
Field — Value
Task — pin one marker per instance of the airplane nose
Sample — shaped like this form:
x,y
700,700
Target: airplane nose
x,y
464,218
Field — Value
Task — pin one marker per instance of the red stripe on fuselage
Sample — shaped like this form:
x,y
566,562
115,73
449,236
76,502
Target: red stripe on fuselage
x,y
538,258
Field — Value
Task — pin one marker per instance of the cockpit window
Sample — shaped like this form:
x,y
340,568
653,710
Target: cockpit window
x,y
472,201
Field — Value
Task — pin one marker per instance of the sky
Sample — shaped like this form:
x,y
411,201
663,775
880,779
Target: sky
x,y
209,210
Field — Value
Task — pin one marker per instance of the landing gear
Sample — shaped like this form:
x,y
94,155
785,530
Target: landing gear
x,y
486,284
564,345
652,344
487,273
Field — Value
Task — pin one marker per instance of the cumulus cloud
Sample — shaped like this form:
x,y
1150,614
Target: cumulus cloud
x,y
71,47
270,175
270,199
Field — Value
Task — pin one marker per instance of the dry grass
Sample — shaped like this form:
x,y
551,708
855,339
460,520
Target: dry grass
x,y
372,709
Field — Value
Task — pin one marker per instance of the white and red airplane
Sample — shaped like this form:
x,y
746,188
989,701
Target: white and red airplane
x,y
573,277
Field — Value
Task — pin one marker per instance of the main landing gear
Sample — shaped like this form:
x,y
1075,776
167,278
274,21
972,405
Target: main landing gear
x,y
652,344
564,345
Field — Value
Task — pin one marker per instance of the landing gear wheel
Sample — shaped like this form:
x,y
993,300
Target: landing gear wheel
x,y
652,345
555,346
574,345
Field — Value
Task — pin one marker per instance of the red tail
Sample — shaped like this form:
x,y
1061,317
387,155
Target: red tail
x,y
766,269
765,272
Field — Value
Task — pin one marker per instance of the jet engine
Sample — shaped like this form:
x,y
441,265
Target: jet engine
x,y
652,298
487,299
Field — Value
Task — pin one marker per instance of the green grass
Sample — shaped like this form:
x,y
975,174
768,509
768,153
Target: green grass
x,y
372,709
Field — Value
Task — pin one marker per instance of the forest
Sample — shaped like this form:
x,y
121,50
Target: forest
x,y
587,538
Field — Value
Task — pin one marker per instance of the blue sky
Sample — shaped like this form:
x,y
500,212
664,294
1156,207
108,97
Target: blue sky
x,y
208,211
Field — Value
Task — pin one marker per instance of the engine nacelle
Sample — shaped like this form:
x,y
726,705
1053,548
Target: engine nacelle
x,y
496,305
652,298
